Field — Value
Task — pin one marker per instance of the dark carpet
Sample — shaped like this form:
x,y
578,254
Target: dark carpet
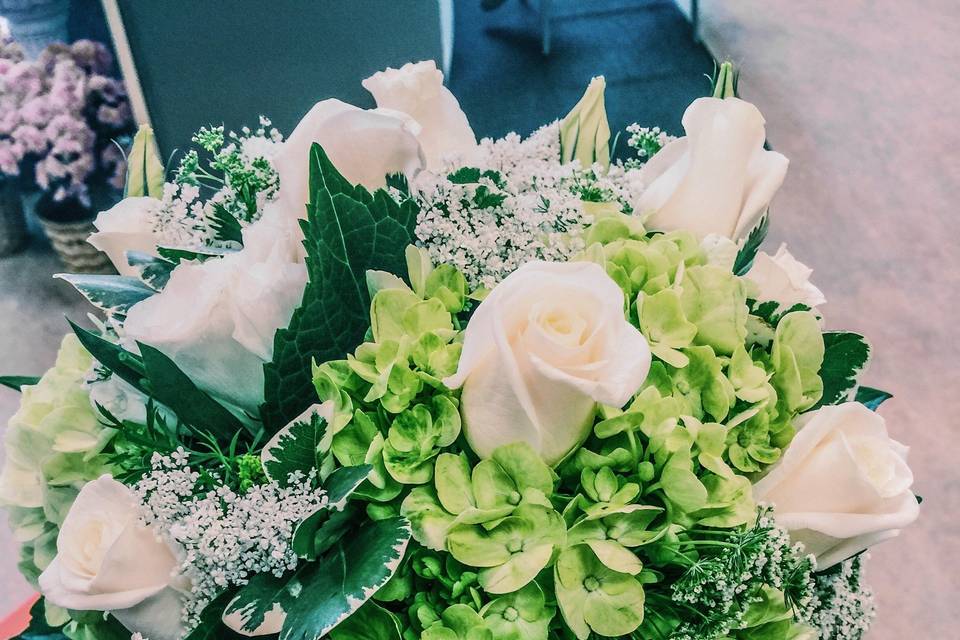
x,y
644,48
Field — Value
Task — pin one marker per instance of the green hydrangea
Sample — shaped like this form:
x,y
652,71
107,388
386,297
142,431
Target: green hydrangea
x,y
54,444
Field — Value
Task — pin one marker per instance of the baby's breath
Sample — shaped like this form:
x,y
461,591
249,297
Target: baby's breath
x,y
524,205
845,606
224,537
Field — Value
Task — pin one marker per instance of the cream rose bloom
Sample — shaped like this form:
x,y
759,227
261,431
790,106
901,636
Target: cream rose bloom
x,y
365,145
716,179
108,560
127,226
217,319
541,350
784,279
842,485
417,90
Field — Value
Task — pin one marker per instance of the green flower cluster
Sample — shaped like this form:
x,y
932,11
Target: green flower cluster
x,y
54,444
730,368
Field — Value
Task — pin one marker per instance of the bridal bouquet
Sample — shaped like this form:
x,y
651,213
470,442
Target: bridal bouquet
x,y
379,381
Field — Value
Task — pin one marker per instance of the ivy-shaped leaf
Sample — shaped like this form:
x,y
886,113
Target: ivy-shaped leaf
x,y
296,447
872,398
845,357
264,599
347,232
345,578
752,245
114,295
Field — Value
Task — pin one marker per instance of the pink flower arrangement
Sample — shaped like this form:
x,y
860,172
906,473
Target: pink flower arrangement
x,y
61,115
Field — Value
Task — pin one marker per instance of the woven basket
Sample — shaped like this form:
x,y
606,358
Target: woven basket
x,y
13,224
69,240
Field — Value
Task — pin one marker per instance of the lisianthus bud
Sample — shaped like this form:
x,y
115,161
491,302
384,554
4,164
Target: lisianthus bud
x,y
585,132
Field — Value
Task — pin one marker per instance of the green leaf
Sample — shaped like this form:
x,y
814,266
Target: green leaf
x,y
210,626
18,382
750,248
114,295
347,232
225,225
154,271
171,387
176,254
296,447
370,622
845,357
127,366
263,598
342,581
38,629
868,396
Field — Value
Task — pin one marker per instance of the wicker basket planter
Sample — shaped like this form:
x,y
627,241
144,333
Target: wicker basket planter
x,y
68,224
13,222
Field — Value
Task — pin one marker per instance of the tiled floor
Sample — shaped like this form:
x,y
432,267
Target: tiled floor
x,y
862,97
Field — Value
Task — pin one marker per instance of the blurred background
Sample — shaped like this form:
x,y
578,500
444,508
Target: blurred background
x,y
861,95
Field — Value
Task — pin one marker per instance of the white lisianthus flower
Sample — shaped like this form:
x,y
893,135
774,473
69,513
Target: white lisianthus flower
x,y
541,350
108,560
784,279
842,485
365,145
417,90
217,319
127,226
716,179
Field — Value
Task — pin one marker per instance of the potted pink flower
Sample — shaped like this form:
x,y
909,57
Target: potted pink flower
x,y
68,134
19,83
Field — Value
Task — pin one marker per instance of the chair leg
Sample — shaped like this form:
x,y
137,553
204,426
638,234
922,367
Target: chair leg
x,y
695,19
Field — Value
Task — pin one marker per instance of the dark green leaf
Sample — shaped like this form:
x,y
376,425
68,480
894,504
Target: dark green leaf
x,y
321,528
844,359
347,232
225,226
176,254
171,386
111,294
296,447
750,248
259,596
871,397
344,579
344,481
18,382
211,625
127,366
153,270
38,629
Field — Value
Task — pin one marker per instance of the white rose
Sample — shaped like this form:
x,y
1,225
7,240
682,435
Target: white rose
x,y
217,319
784,279
365,145
108,560
417,90
127,226
842,485
541,350
717,179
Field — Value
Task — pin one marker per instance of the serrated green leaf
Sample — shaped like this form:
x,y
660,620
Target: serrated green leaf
x,y
114,295
752,245
347,232
343,580
868,396
18,382
225,226
845,356
172,387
